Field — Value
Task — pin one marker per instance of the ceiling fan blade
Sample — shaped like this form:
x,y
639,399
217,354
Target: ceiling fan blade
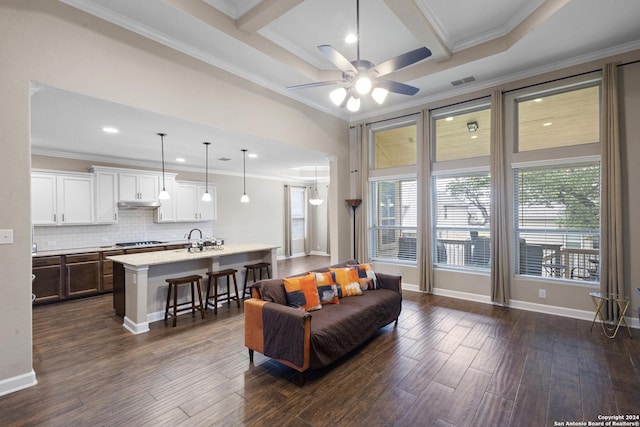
x,y
402,61
396,87
316,84
337,59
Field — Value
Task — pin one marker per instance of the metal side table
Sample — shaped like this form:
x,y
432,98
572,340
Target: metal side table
x,y
599,300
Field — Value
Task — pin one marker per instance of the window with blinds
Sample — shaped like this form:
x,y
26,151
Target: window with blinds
x,y
393,218
461,214
557,221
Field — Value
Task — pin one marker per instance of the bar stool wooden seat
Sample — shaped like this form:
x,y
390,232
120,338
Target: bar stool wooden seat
x,y
213,281
174,283
255,270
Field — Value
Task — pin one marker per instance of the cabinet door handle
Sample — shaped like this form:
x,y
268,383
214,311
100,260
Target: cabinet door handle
x,y
160,216
115,216
62,217
54,218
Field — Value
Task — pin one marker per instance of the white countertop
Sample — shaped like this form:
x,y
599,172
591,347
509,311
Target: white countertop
x,y
177,255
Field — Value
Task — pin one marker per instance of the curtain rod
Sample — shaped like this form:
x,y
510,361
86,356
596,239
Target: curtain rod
x,y
386,120
461,102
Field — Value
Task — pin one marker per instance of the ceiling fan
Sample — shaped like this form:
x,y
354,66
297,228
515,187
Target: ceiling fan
x,y
360,77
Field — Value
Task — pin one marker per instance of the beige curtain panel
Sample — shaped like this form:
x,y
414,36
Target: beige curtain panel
x,y
611,256
500,271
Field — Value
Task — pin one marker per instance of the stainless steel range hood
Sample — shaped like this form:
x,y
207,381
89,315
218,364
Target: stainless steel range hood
x,y
138,204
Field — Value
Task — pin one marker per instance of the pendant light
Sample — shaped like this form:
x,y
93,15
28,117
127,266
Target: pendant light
x,y
206,197
244,198
164,194
315,199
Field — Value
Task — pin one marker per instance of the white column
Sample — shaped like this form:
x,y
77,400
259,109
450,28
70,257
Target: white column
x,y
135,286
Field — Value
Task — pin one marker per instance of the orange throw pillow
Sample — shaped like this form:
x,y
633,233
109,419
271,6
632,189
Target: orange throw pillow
x,y
348,281
327,288
302,292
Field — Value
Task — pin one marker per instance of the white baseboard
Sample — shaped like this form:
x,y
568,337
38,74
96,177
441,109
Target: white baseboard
x,y
136,328
13,384
573,313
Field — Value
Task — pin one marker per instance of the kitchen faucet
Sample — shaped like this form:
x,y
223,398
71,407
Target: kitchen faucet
x,y
188,236
193,248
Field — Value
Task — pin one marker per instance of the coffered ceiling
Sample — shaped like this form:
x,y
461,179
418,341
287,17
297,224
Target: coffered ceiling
x,y
274,42
474,44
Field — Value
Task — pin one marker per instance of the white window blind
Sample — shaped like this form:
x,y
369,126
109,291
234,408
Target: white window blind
x,y
461,213
393,219
558,221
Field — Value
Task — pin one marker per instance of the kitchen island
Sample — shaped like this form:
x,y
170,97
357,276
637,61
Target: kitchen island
x,y
139,287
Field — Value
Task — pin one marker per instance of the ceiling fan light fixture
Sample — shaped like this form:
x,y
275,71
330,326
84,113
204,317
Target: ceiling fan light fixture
x,y
338,95
353,104
379,94
363,85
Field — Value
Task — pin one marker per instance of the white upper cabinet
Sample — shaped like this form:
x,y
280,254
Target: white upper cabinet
x,y
138,187
62,199
106,197
44,199
207,210
186,202
189,204
167,211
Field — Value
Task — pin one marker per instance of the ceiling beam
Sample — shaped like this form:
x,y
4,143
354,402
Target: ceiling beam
x,y
263,13
486,49
221,22
415,21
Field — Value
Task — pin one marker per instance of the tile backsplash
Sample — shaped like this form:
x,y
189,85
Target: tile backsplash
x,y
133,225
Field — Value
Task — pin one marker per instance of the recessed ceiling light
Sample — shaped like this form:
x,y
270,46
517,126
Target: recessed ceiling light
x,y
351,38
537,100
252,155
110,129
180,160
449,119
547,124
474,136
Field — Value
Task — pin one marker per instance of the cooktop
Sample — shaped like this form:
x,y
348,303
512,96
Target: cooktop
x,y
141,243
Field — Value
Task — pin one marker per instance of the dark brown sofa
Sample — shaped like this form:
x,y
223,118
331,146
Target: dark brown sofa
x,y
304,340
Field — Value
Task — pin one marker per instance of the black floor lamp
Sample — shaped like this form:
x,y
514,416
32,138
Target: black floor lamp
x,y
354,203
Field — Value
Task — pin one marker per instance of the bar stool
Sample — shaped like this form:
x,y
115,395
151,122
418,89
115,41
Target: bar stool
x,y
188,305
253,269
213,279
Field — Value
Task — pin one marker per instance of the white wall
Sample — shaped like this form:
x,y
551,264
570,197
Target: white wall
x,y
48,42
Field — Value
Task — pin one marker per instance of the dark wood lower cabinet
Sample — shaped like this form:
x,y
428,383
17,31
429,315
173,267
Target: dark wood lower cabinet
x,y
62,277
47,286
106,284
82,276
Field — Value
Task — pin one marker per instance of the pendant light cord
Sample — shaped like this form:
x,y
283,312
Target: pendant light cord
x,y
162,135
244,171
206,176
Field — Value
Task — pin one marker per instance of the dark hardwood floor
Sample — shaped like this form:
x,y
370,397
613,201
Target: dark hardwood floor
x,y
448,363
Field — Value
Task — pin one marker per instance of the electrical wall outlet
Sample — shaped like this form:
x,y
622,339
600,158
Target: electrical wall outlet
x,y
542,293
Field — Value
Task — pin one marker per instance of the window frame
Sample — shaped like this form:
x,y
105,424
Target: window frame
x,y
573,155
373,219
452,168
